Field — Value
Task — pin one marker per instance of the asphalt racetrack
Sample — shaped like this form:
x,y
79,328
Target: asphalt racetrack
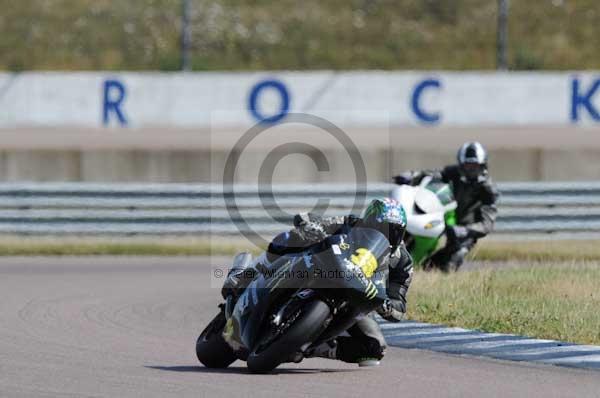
x,y
124,327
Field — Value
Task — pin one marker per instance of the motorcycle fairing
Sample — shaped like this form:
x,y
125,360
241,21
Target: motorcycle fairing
x,y
353,255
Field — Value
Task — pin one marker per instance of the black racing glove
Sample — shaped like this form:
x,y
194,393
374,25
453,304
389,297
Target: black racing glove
x,y
312,232
405,178
302,219
457,232
392,310
308,228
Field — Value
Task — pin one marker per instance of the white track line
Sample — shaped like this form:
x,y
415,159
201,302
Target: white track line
x,y
495,345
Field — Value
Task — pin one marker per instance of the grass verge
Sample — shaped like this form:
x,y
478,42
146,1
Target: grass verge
x,y
553,302
528,251
537,251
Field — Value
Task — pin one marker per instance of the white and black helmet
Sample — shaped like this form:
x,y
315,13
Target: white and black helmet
x,y
472,160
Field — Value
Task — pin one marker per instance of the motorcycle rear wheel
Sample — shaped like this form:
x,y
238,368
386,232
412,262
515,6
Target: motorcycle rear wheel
x,y
304,329
211,349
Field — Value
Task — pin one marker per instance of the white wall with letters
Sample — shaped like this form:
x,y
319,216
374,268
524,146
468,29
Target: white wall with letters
x,y
363,98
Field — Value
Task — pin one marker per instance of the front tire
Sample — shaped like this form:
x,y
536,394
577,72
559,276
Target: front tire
x,y
211,349
304,329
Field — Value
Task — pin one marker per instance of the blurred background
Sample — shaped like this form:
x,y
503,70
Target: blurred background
x,y
160,91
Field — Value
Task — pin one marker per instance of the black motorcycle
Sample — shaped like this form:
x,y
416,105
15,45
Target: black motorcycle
x,y
299,302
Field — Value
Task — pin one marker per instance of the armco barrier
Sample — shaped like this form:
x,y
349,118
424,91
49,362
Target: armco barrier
x,y
67,208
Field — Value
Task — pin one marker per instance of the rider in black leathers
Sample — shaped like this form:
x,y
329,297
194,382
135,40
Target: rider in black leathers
x,y
476,196
366,344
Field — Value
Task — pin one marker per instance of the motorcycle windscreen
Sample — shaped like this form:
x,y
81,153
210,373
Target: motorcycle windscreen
x,y
444,194
355,262
428,202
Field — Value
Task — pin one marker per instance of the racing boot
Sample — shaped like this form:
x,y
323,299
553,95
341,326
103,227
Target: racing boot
x,y
329,350
325,350
457,259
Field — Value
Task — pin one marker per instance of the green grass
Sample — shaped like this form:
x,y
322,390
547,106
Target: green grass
x,y
553,302
551,251
290,34
537,251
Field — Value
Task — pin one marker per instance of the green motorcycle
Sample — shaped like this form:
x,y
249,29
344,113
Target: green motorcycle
x,y
430,208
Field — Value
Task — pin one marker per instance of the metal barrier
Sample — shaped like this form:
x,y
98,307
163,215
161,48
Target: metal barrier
x,y
72,208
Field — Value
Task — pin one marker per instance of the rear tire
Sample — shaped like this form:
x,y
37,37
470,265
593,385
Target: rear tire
x,y
211,349
304,329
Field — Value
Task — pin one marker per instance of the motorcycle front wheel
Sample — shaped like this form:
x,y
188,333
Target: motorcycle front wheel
x,y
303,327
211,349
